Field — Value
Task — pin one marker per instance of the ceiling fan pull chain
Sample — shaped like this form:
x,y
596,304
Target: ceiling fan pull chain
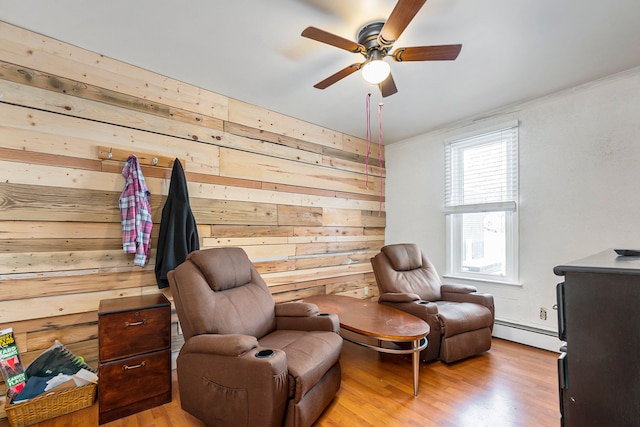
x,y
366,162
380,152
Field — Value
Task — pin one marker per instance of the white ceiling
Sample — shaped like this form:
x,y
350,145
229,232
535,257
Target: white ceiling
x,y
251,50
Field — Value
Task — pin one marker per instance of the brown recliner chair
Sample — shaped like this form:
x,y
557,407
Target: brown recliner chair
x,y
461,319
247,361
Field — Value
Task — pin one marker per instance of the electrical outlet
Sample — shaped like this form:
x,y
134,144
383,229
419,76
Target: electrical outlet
x,y
543,313
366,291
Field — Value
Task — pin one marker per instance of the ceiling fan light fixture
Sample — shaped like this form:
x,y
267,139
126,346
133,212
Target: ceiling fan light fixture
x,y
375,71
374,41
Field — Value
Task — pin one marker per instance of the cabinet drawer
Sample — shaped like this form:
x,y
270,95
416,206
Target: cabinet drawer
x,y
127,381
127,333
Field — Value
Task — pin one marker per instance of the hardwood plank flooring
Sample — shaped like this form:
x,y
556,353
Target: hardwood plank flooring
x,y
510,386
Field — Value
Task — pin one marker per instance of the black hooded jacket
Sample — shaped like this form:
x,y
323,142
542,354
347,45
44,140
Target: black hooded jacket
x,y
178,234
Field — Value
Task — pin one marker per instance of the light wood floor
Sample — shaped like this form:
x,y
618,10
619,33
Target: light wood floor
x,y
511,385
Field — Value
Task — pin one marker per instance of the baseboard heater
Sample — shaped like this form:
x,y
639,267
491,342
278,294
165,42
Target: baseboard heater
x,y
527,335
508,324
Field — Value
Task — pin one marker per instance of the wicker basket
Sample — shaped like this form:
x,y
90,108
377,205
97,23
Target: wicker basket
x,y
50,405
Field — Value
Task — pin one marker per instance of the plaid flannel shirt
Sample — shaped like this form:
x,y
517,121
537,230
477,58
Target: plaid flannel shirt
x,y
135,213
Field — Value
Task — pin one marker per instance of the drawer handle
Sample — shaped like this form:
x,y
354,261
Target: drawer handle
x,y
128,368
142,322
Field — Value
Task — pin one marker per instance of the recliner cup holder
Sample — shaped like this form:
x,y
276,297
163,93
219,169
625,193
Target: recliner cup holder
x,y
264,354
424,302
323,314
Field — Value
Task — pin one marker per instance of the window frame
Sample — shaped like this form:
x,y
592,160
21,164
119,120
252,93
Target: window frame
x,y
455,212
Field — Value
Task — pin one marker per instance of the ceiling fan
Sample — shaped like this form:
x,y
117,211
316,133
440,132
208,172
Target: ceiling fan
x,y
374,43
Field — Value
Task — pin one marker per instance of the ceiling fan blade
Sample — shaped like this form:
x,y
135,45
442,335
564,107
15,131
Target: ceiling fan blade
x,y
388,86
447,52
322,36
338,76
400,17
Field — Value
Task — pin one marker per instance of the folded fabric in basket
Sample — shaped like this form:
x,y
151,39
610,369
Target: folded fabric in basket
x,y
34,387
58,380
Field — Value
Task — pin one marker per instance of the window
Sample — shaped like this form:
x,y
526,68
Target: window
x,y
481,195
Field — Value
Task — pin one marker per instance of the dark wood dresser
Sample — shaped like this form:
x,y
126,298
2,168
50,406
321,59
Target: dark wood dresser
x,y
134,335
598,317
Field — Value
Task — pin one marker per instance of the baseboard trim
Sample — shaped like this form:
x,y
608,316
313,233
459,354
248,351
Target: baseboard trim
x,y
527,335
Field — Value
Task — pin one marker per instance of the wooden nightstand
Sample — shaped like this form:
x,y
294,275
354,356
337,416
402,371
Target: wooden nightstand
x,y
134,335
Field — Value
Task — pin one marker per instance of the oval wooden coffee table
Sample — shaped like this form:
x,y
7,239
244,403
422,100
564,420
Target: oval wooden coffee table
x,y
380,322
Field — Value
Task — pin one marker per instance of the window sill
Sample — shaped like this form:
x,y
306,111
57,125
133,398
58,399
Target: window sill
x,y
469,280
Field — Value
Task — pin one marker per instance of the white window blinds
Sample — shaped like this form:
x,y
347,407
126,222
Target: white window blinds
x,y
481,172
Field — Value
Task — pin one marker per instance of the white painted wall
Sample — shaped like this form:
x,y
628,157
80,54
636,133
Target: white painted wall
x,y
579,159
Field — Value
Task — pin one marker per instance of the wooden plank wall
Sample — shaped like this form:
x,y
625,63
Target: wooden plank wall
x,y
294,195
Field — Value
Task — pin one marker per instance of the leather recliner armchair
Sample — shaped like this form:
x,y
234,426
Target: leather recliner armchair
x,y
247,361
461,319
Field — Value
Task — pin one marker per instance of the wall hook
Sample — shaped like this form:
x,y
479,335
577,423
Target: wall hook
x,y
149,159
